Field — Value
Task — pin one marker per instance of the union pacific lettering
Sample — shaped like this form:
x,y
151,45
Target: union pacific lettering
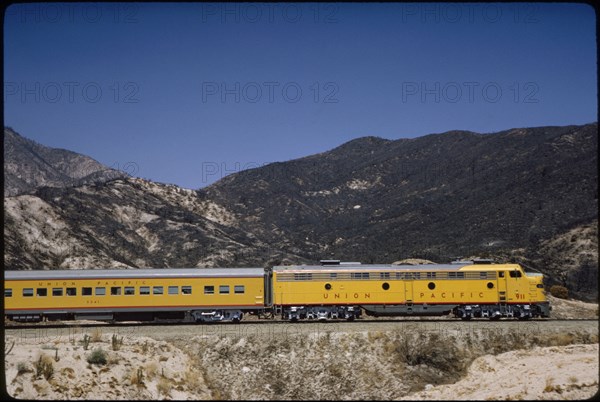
x,y
451,295
57,283
348,295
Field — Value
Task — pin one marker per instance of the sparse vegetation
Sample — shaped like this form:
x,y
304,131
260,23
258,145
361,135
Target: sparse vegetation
x,y
116,342
98,357
86,341
22,368
8,349
559,291
97,335
164,386
136,377
44,367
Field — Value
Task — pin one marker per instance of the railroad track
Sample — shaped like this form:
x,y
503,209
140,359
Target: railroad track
x,y
124,324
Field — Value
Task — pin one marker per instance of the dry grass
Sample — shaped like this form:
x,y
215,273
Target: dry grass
x,y
44,366
151,370
368,365
136,377
164,386
96,335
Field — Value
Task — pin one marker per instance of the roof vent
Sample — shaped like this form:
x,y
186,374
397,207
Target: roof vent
x,y
483,261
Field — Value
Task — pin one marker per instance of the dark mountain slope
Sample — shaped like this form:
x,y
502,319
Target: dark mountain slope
x,y
29,165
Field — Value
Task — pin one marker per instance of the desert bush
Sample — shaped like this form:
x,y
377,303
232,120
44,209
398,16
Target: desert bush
x,y
86,341
97,335
44,367
116,342
559,291
164,386
98,356
8,349
136,377
22,368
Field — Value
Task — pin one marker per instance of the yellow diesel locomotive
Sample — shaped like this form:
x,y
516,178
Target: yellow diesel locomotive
x,y
332,290
466,289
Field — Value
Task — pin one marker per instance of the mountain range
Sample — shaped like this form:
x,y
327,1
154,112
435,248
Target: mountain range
x,y
527,195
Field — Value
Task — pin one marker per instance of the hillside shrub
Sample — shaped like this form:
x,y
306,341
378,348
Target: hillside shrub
x,y
559,291
98,356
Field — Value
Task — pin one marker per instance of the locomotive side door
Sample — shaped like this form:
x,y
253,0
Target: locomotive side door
x,y
502,278
408,292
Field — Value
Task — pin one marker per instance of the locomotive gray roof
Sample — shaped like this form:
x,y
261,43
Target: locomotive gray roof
x,y
375,267
135,273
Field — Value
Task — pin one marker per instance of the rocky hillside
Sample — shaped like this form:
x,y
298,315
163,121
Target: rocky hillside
x,y
29,165
123,223
528,195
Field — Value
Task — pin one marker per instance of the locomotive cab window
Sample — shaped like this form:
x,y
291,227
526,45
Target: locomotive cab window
x,y
7,292
57,291
71,291
501,274
42,292
86,291
515,274
186,290
28,292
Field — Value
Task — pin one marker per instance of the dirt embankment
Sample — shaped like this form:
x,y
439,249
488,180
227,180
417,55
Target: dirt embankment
x,y
572,309
387,360
140,368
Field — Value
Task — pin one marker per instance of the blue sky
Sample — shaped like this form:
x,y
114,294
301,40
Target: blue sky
x,y
188,93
